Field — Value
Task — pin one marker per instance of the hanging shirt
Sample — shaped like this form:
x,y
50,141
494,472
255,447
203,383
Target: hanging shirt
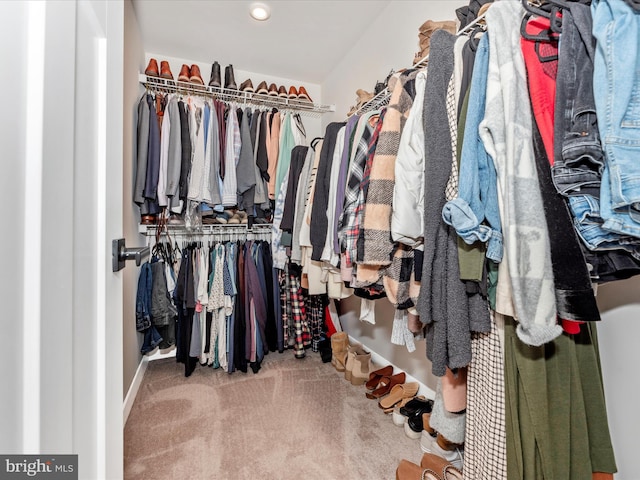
x,y
233,145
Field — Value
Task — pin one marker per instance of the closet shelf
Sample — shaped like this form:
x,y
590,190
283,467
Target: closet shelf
x,y
235,96
221,229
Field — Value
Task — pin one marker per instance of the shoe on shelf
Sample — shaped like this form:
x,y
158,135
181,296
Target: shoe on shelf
x,y
165,70
441,447
273,90
195,75
282,92
148,220
303,95
185,74
152,68
229,79
293,93
175,219
214,80
447,469
262,88
247,86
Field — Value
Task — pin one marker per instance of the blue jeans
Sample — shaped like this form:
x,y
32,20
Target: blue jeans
x,y
616,28
578,155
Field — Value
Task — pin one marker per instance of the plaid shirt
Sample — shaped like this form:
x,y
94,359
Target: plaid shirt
x,y
355,194
358,254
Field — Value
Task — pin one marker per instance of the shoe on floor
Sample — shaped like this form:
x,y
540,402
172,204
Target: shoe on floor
x,y
398,417
452,453
415,422
444,469
410,471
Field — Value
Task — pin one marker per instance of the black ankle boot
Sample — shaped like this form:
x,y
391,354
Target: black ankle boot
x,y
229,80
215,75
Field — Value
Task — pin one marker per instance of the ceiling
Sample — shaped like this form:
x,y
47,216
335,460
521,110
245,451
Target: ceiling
x,y
303,39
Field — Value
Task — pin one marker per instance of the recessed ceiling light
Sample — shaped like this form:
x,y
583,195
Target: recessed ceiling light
x,y
260,11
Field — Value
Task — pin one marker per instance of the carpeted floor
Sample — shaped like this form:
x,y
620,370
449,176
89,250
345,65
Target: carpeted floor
x,y
294,419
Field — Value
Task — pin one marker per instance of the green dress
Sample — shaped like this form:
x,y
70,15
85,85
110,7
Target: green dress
x,y
556,417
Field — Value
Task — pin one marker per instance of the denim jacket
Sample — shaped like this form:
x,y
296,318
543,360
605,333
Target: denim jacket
x,y
143,298
477,188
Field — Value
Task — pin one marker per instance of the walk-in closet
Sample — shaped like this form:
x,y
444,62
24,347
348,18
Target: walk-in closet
x,y
321,239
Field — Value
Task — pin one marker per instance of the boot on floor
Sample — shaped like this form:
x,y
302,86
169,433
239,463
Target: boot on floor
x,y
361,368
339,344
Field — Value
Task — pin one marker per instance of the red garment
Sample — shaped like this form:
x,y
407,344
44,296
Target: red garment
x,y
542,75
542,79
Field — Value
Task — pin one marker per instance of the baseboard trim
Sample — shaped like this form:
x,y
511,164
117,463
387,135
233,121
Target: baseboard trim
x,y
378,359
137,378
133,389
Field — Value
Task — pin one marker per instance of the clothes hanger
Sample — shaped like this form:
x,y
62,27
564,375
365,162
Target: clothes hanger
x,y
314,142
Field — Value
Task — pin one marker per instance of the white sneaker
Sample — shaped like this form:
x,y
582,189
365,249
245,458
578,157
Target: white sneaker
x,y
408,431
398,419
429,444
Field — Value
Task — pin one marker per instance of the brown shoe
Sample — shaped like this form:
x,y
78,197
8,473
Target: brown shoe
x,y
273,90
303,95
147,220
195,75
185,74
165,70
282,92
293,93
152,68
247,86
262,88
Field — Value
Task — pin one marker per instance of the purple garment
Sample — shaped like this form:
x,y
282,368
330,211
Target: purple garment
x,y
342,179
253,294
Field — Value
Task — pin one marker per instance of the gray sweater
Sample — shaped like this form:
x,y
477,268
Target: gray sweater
x,y
443,304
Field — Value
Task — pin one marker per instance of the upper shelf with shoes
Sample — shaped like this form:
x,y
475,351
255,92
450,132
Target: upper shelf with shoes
x,y
190,82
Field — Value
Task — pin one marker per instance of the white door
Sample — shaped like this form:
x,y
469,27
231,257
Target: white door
x,y
98,220
62,190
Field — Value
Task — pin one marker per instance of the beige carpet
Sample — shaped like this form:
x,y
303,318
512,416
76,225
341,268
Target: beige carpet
x,y
294,419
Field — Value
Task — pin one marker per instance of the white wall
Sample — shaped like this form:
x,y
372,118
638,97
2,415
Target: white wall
x,y
389,43
13,31
618,333
133,64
